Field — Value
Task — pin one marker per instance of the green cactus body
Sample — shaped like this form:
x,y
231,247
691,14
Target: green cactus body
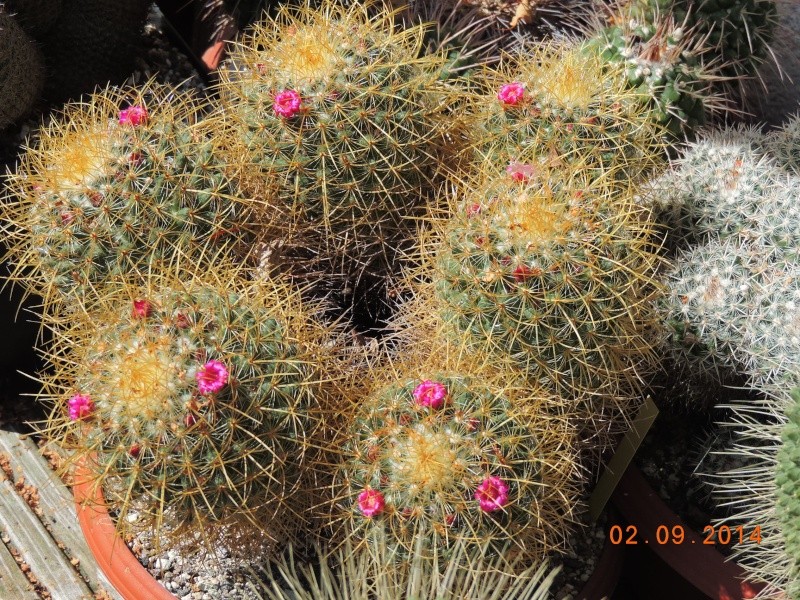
x,y
737,31
661,66
109,190
92,43
198,394
21,71
556,278
784,144
444,456
559,107
35,16
335,118
787,484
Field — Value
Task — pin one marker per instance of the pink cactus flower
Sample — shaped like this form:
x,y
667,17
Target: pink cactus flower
x,y
211,377
80,406
492,494
520,171
371,502
473,209
141,309
430,393
287,103
511,94
133,115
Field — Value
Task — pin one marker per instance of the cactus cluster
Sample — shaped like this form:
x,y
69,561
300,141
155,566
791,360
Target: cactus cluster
x,y
116,184
21,70
338,123
196,391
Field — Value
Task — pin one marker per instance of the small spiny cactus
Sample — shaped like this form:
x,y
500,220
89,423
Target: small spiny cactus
x,y
337,121
197,391
446,449
561,107
114,185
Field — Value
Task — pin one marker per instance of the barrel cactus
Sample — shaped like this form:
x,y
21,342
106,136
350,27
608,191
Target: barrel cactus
x,y
125,180
194,391
560,107
556,277
441,449
337,122
21,71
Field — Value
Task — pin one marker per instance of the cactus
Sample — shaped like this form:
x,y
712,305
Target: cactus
x,y
339,125
787,488
194,390
561,106
557,277
663,62
784,144
443,448
125,180
35,16
350,573
21,71
712,289
737,32
92,43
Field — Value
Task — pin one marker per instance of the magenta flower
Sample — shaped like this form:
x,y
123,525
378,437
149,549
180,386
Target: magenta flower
x,y
133,115
287,103
371,502
473,209
520,171
211,377
492,494
80,406
511,93
430,393
141,309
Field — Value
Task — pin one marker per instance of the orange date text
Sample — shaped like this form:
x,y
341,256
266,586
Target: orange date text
x,y
723,535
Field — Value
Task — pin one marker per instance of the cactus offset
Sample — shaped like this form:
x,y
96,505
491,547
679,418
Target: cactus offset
x,y
338,124
559,106
21,71
194,390
125,180
444,448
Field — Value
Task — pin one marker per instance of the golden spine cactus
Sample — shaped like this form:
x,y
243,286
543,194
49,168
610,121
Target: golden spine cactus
x,y
565,108
116,184
556,277
337,122
445,448
195,391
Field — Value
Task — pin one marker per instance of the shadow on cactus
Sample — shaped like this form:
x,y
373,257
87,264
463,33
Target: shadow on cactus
x,y
123,181
338,124
194,392
447,450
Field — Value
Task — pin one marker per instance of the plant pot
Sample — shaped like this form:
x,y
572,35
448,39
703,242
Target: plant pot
x,y
122,568
192,27
660,566
608,570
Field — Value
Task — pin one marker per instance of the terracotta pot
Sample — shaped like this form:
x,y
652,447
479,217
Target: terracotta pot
x,y
122,568
690,570
195,32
